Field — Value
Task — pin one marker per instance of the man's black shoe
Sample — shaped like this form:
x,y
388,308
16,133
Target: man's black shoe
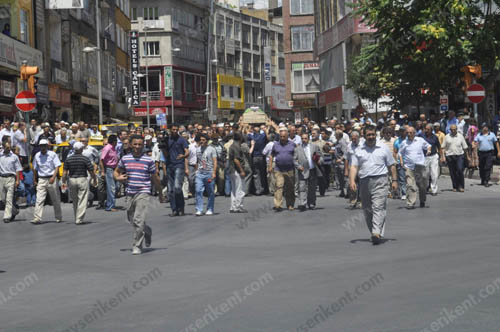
x,y
422,204
376,240
6,221
241,211
302,208
342,194
312,207
14,216
99,207
175,214
278,209
487,184
181,213
410,207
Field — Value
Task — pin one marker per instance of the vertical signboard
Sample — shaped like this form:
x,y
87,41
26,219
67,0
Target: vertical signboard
x,y
134,58
168,81
443,101
268,80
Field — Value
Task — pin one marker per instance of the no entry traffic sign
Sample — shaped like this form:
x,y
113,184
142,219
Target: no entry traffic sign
x,y
476,93
26,101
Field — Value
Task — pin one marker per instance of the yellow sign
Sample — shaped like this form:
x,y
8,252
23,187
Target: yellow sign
x,y
226,101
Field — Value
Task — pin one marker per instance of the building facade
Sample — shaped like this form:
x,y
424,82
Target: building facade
x,y
301,64
54,41
172,45
247,62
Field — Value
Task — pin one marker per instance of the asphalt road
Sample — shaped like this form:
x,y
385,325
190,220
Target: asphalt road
x,y
261,272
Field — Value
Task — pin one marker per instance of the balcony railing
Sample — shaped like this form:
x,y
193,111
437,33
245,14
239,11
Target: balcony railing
x,y
153,95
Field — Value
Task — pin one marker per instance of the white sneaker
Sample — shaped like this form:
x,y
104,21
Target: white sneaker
x,y
209,213
136,251
198,213
403,198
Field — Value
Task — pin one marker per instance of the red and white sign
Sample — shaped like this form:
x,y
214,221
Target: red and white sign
x,y
476,93
152,111
25,101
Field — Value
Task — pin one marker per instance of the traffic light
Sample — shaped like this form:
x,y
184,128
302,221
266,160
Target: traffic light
x,y
28,74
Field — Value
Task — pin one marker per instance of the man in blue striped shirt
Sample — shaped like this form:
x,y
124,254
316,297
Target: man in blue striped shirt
x,y
138,171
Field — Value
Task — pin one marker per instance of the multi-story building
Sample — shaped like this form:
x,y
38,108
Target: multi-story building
x,y
247,53
172,45
67,86
18,43
301,65
339,37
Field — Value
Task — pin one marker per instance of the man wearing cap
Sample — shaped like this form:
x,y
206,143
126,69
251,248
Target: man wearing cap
x,y
486,142
77,167
109,160
371,161
10,170
46,167
74,131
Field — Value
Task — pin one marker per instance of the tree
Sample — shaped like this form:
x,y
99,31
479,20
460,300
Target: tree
x,y
422,44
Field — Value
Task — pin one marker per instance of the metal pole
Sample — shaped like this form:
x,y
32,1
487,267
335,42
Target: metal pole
x,y
147,73
98,50
209,59
173,91
27,120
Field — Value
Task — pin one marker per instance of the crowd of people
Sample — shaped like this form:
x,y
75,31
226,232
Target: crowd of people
x,y
366,162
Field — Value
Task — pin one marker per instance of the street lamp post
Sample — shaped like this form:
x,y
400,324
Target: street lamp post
x,y
173,85
98,50
213,62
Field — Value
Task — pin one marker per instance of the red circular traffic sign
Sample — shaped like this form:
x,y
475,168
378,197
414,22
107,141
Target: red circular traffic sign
x,y
476,93
26,101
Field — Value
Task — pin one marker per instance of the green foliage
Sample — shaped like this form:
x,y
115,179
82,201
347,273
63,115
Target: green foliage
x,y
423,44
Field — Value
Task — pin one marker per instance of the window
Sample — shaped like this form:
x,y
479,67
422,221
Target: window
x,y
222,88
246,34
151,48
230,61
237,28
305,77
301,7
281,63
239,93
229,28
302,38
220,25
24,26
220,58
134,14
150,13
231,94
255,36
189,87
265,38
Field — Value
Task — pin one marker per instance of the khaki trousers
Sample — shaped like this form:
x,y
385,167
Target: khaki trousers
x,y
7,187
373,191
416,180
285,184
137,206
79,191
42,189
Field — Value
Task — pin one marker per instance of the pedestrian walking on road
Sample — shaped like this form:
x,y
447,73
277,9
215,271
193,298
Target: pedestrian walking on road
x,y
10,169
308,159
237,174
178,152
282,156
486,142
46,166
138,171
206,157
109,160
371,161
77,167
432,159
413,159
454,147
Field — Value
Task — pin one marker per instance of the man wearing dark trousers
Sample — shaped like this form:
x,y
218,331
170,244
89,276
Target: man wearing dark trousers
x,y
486,142
178,151
453,149
258,142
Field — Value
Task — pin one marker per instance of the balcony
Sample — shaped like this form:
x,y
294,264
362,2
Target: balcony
x,y
154,24
153,95
256,76
256,47
247,73
246,44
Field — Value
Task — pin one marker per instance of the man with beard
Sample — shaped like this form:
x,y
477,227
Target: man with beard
x,y
178,151
371,162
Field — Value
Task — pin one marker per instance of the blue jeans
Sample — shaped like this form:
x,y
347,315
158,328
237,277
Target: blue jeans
x,y
227,180
110,189
401,179
201,183
30,192
175,180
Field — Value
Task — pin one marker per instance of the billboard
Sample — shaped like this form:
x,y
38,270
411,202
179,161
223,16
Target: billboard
x,y
135,69
64,4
